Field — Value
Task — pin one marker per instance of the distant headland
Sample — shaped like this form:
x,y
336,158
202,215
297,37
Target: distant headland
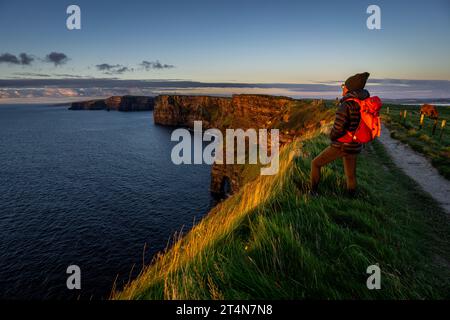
x,y
116,103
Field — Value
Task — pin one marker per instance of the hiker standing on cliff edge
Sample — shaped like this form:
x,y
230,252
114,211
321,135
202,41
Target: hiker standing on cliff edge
x,y
357,122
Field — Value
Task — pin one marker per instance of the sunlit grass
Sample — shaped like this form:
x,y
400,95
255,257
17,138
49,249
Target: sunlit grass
x,y
271,240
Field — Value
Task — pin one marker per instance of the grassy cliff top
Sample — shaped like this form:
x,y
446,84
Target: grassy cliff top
x,y
273,241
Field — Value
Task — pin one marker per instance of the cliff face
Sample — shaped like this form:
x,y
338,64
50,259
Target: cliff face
x,y
240,111
292,117
117,103
184,110
88,105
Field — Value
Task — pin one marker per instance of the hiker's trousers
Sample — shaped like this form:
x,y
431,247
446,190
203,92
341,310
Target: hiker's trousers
x,y
331,154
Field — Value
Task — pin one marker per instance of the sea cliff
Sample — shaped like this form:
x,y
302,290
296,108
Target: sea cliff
x,y
116,103
292,117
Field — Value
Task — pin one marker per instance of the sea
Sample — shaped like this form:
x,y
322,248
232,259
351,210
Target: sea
x,y
91,189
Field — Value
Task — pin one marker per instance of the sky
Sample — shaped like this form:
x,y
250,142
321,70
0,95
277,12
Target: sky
x,y
240,42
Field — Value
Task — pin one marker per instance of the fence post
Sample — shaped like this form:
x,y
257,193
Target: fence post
x,y
404,116
387,110
444,122
434,127
422,116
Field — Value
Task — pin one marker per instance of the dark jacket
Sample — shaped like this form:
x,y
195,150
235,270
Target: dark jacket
x,y
347,120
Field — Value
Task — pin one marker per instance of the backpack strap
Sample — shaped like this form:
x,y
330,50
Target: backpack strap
x,y
354,99
358,101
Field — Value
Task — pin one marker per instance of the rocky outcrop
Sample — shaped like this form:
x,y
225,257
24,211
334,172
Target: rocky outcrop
x,y
225,179
117,103
292,117
88,105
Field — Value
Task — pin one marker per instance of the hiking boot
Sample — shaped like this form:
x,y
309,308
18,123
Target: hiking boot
x,y
352,194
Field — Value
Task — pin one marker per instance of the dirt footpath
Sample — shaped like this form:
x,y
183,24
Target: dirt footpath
x,y
418,168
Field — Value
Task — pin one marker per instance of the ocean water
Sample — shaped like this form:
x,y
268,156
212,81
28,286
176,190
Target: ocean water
x,y
89,188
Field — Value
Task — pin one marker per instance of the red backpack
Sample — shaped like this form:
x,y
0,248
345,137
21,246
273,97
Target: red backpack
x,y
370,125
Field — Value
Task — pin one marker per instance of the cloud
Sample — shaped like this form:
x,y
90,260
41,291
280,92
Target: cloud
x,y
23,59
106,66
123,69
74,76
113,68
57,58
9,58
149,65
32,74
